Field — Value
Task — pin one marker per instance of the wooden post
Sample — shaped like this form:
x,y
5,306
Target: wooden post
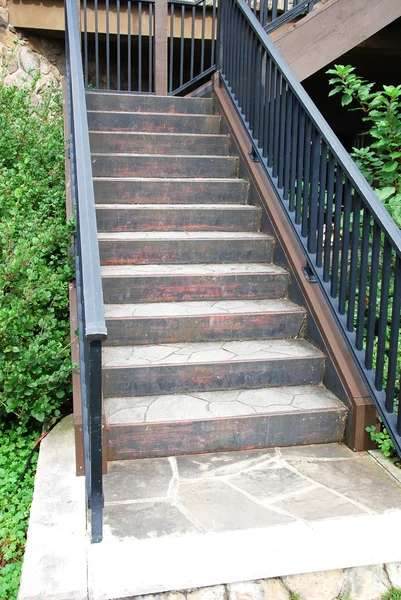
x,y
160,70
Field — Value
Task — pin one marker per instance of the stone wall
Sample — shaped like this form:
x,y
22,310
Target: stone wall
x,y
359,583
23,55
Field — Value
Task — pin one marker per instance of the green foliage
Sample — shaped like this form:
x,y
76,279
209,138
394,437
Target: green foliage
x,y
34,265
394,594
380,162
15,499
382,439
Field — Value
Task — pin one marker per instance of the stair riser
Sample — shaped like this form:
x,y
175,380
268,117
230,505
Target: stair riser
x,y
166,330
137,165
125,290
167,192
185,251
225,434
152,104
192,377
146,143
219,219
109,121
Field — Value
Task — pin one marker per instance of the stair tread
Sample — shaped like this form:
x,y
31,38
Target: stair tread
x,y
191,269
173,134
208,352
202,307
153,114
219,404
200,180
181,235
183,207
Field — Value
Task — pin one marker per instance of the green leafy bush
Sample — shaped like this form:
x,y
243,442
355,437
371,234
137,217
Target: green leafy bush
x,y
15,501
34,265
380,161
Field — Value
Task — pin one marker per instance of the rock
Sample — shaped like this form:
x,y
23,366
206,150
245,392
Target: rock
x,y
3,17
366,583
29,61
3,3
11,63
7,37
325,585
276,590
394,574
253,590
21,79
216,592
44,66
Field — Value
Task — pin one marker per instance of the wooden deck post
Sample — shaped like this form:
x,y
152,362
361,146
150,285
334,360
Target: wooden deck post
x,y
161,14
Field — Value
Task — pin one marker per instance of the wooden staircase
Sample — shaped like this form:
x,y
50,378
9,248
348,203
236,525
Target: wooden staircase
x,y
205,351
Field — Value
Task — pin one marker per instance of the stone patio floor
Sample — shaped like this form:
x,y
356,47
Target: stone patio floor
x,y
192,521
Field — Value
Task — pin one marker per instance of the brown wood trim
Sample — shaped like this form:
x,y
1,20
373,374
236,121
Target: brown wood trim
x,y
362,410
161,38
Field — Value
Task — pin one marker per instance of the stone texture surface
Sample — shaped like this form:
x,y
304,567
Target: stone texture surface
x,y
366,583
394,574
316,586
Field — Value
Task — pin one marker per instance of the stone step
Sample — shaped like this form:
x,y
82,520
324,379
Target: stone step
x,y
175,283
184,247
182,367
130,102
143,190
162,165
177,217
215,421
204,321
159,143
152,122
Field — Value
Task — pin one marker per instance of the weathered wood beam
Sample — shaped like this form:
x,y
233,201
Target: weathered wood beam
x,y
330,30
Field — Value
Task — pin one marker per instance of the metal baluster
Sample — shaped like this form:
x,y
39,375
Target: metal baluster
x,y
300,167
96,46
337,234
282,129
322,205
393,355
314,193
329,218
150,84
354,262
306,180
383,312
118,46
363,277
287,155
202,65
212,58
129,42
140,46
170,83
108,43
373,285
192,43
294,149
345,248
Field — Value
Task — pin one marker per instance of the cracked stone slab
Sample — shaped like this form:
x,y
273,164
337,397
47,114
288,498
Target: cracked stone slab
x,y
121,356
361,480
220,508
317,503
319,452
147,520
204,307
203,466
264,483
209,405
137,480
190,269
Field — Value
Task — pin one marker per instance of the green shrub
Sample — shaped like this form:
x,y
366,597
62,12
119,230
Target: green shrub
x,y
15,500
35,269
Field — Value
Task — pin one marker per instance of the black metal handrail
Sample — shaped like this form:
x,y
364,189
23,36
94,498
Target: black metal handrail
x,y
351,245
91,321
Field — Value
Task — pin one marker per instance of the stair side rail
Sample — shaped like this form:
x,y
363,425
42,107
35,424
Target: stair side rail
x,y
352,247
91,320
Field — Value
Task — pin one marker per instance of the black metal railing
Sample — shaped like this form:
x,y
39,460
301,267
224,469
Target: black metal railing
x,y
91,320
119,37
351,245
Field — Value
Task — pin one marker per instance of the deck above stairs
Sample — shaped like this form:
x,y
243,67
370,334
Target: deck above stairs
x,y
205,350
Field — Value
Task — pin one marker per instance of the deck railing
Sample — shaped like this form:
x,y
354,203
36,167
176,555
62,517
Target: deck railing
x,y
91,320
161,46
352,247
